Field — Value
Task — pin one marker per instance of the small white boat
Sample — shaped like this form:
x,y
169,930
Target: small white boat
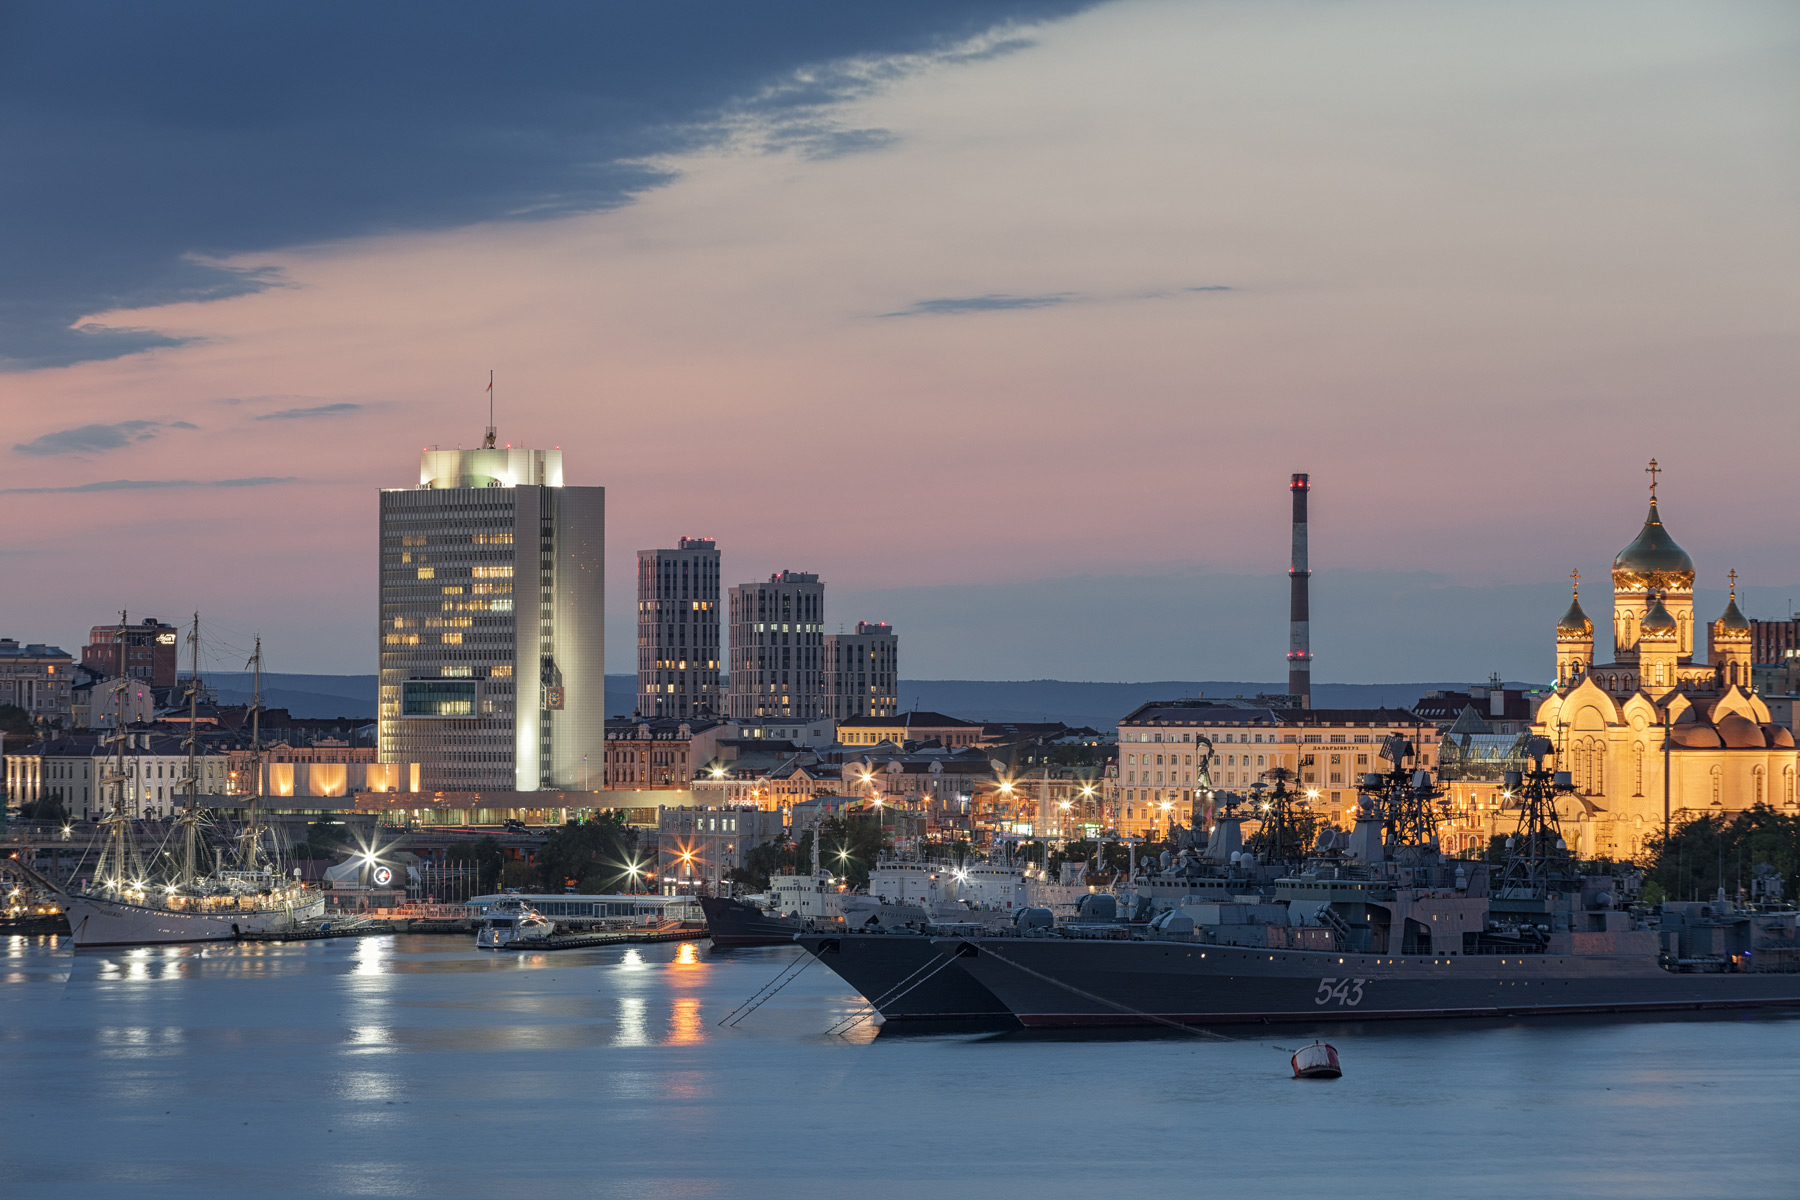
x,y
1317,1061
512,921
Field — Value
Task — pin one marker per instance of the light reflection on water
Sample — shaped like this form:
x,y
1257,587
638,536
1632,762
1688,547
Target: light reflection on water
x,y
420,1066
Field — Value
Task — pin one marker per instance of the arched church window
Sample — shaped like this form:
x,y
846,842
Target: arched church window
x,y
1787,786
1756,780
1637,769
1718,784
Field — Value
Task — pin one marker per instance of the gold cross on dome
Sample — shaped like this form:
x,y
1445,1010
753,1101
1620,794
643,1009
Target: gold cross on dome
x,y
1653,471
1733,574
1576,576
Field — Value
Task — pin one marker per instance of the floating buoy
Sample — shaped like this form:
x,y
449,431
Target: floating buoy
x,y
1317,1061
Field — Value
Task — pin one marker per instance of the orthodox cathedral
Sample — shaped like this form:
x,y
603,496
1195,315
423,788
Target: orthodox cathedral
x,y
1655,732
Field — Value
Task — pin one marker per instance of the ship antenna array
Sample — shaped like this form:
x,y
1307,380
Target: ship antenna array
x,y
1282,837
1537,848
1408,800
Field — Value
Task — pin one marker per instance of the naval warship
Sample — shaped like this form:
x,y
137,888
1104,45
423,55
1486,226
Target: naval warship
x,y
1374,923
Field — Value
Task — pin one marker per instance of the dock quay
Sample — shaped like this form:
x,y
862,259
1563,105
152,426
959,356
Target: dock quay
x,y
680,931
361,927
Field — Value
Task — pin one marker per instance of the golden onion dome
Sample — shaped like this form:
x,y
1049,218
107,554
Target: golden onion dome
x,y
1575,623
1658,624
1653,561
1732,621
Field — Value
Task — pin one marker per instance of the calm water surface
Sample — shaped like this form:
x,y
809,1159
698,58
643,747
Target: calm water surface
x,y
418,1066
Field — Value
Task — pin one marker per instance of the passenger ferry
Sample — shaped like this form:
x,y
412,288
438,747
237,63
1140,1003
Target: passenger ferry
x,y
583,913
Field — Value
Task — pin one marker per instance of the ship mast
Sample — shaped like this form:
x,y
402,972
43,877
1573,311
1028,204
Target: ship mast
x,y
250,848
190,818
115,853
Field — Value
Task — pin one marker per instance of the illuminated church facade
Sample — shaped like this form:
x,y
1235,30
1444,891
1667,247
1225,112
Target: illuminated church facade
x,y
1657,724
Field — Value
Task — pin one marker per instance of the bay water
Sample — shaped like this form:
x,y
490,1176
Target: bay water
x,y
418,1066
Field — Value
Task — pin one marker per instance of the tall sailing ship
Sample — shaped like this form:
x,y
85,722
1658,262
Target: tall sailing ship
x,y
244,891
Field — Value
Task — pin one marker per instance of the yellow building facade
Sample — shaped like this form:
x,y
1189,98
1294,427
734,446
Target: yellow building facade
x,y
1656,729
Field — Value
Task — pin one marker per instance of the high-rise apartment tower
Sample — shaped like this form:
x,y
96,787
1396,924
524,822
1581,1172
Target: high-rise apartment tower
x,y
862,676
678,630
493,672
777,648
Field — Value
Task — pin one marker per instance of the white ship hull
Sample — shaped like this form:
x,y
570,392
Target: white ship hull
x,y
94,921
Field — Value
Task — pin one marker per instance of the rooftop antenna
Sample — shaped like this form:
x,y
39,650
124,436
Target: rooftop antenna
x,y
489,440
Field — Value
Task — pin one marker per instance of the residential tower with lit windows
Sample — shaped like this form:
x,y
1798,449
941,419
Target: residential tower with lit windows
x,y
492,598
777,648
678,630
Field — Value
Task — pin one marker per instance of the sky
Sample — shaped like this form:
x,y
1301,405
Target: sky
x,y
1009,319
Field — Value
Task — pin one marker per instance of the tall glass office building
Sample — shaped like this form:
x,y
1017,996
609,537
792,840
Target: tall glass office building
x,y
493,672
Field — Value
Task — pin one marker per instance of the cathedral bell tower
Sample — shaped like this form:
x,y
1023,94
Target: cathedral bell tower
x,y
1574,640
1728,644
1658,648
1650,573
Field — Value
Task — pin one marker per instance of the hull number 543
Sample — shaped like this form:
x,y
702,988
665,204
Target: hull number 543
x,y
1346,993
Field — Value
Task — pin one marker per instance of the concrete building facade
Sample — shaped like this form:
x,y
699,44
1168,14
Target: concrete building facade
x,y
862,674
678,630
144,651
492,622
777,648
1173,754
38,678
698,847
80,768
660,754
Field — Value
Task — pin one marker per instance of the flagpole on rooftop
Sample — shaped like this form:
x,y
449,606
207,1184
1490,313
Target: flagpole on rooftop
x,y
489,443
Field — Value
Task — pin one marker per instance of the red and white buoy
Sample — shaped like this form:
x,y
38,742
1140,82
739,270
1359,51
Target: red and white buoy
x,y
1317,1061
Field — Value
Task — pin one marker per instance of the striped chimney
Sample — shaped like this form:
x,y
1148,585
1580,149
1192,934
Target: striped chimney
x,y
1299,633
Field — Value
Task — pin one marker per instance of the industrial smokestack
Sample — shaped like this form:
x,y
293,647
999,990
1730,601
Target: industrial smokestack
x,y
1299,634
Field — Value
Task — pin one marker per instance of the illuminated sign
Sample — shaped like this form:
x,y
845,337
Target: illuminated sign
x,y
165,639
383,877
553,698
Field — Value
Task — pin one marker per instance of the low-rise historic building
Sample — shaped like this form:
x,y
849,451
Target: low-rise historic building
x,y
1173,753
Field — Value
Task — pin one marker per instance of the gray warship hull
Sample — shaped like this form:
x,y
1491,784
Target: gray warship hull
x,y
1073,982
909,977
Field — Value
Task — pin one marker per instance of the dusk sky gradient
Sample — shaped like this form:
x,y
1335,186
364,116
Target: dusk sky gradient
x,y
1010,320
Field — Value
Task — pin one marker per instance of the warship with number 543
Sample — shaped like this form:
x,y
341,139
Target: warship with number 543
x,y
1370,923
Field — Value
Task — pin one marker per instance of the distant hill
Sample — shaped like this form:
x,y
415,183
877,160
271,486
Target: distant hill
x,y
1097,704
302,695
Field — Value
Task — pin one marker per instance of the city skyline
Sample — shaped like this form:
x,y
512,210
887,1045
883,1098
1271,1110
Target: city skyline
x,y
1080,365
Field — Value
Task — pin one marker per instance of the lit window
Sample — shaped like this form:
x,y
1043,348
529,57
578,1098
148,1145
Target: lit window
x,y
427,572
